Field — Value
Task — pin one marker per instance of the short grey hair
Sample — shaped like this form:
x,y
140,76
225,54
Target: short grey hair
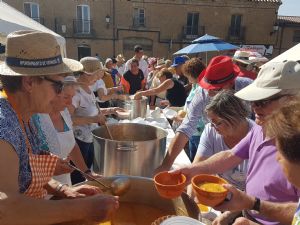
x,y
228,107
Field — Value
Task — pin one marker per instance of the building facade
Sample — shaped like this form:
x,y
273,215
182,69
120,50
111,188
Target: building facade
x,y
109,27
287,34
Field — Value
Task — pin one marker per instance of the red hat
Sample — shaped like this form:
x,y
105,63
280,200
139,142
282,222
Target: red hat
x,y
219,72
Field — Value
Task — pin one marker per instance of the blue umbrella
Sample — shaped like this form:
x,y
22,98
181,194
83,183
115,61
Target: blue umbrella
x,y
206,43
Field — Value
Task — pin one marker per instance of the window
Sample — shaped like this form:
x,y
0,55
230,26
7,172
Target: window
x,y
296,37
83,51
235,27
139,17
83,22
192,24
32,10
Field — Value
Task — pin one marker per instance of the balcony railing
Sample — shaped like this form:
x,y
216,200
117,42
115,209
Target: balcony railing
x,y
83,27
192,32
138,22
39,20
236,34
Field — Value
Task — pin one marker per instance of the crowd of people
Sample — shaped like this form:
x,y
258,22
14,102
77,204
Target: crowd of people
x,y
240,122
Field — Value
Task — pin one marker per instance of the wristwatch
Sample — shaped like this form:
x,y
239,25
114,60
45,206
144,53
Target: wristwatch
x,y
256,205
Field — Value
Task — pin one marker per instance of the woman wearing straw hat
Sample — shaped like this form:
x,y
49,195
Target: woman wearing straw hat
x,y
32,76
85,113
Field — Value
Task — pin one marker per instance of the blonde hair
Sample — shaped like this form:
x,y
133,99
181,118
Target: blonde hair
x,y
284,126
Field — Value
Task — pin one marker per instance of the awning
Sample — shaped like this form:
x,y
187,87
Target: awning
x,y
13,20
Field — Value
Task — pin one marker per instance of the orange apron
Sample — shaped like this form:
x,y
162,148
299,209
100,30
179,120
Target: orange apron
x,y
42,166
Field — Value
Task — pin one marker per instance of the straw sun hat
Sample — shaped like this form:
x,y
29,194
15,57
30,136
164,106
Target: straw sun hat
x,y
35,53
91,65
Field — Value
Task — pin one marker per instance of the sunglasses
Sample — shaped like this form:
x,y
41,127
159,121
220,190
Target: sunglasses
x,y
56,84
264,103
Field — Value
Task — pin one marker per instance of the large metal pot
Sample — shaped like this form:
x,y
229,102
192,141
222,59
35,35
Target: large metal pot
x,y
137,108
143,192
136,150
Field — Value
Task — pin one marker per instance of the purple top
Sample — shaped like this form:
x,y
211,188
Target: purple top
x,y
265,178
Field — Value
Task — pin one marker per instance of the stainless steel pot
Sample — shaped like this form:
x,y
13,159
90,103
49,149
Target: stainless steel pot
x,y
136,150
143,192
137,108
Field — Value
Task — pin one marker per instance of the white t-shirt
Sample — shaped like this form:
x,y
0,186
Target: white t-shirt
x,y
99,85
211,142
85,105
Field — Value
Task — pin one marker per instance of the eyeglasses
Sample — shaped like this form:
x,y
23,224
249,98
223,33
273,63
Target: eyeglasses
x,y
264,103
57,85
217,124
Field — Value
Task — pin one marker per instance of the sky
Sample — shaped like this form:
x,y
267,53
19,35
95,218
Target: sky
x,y
289,8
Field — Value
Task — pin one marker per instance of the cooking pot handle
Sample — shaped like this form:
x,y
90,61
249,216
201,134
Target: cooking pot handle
x,y
126,148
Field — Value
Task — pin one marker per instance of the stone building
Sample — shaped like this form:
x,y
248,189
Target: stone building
x,y
109,27
287,34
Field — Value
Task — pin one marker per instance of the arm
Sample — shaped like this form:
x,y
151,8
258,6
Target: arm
x,y
281,212
18,209
167,84
218,163
175,147
186,129
83,120
110,95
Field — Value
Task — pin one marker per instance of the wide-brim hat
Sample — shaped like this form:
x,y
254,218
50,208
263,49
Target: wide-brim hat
x,y
271,80
35,53
91,65
120,58
219,72
160,63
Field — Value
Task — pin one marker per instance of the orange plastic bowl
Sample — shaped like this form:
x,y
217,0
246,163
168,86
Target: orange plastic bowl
x,y
169,185
206,197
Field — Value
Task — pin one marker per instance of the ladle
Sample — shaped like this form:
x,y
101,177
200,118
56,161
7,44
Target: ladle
x,y
105,124
118,187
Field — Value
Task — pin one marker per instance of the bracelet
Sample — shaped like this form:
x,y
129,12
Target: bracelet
x,y
256,205
60,186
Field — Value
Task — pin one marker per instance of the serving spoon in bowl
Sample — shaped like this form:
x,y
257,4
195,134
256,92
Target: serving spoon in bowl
x,y
118,187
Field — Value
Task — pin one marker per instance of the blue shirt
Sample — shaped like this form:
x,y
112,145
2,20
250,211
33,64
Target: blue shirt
x,y
11,132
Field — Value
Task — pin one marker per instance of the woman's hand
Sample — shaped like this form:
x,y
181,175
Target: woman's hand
x,y
138,95
62,167
100,118
238,202
188,171
87,190
78,192
100,207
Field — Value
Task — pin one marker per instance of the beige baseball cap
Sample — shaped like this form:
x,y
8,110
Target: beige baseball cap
x,y
271,80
